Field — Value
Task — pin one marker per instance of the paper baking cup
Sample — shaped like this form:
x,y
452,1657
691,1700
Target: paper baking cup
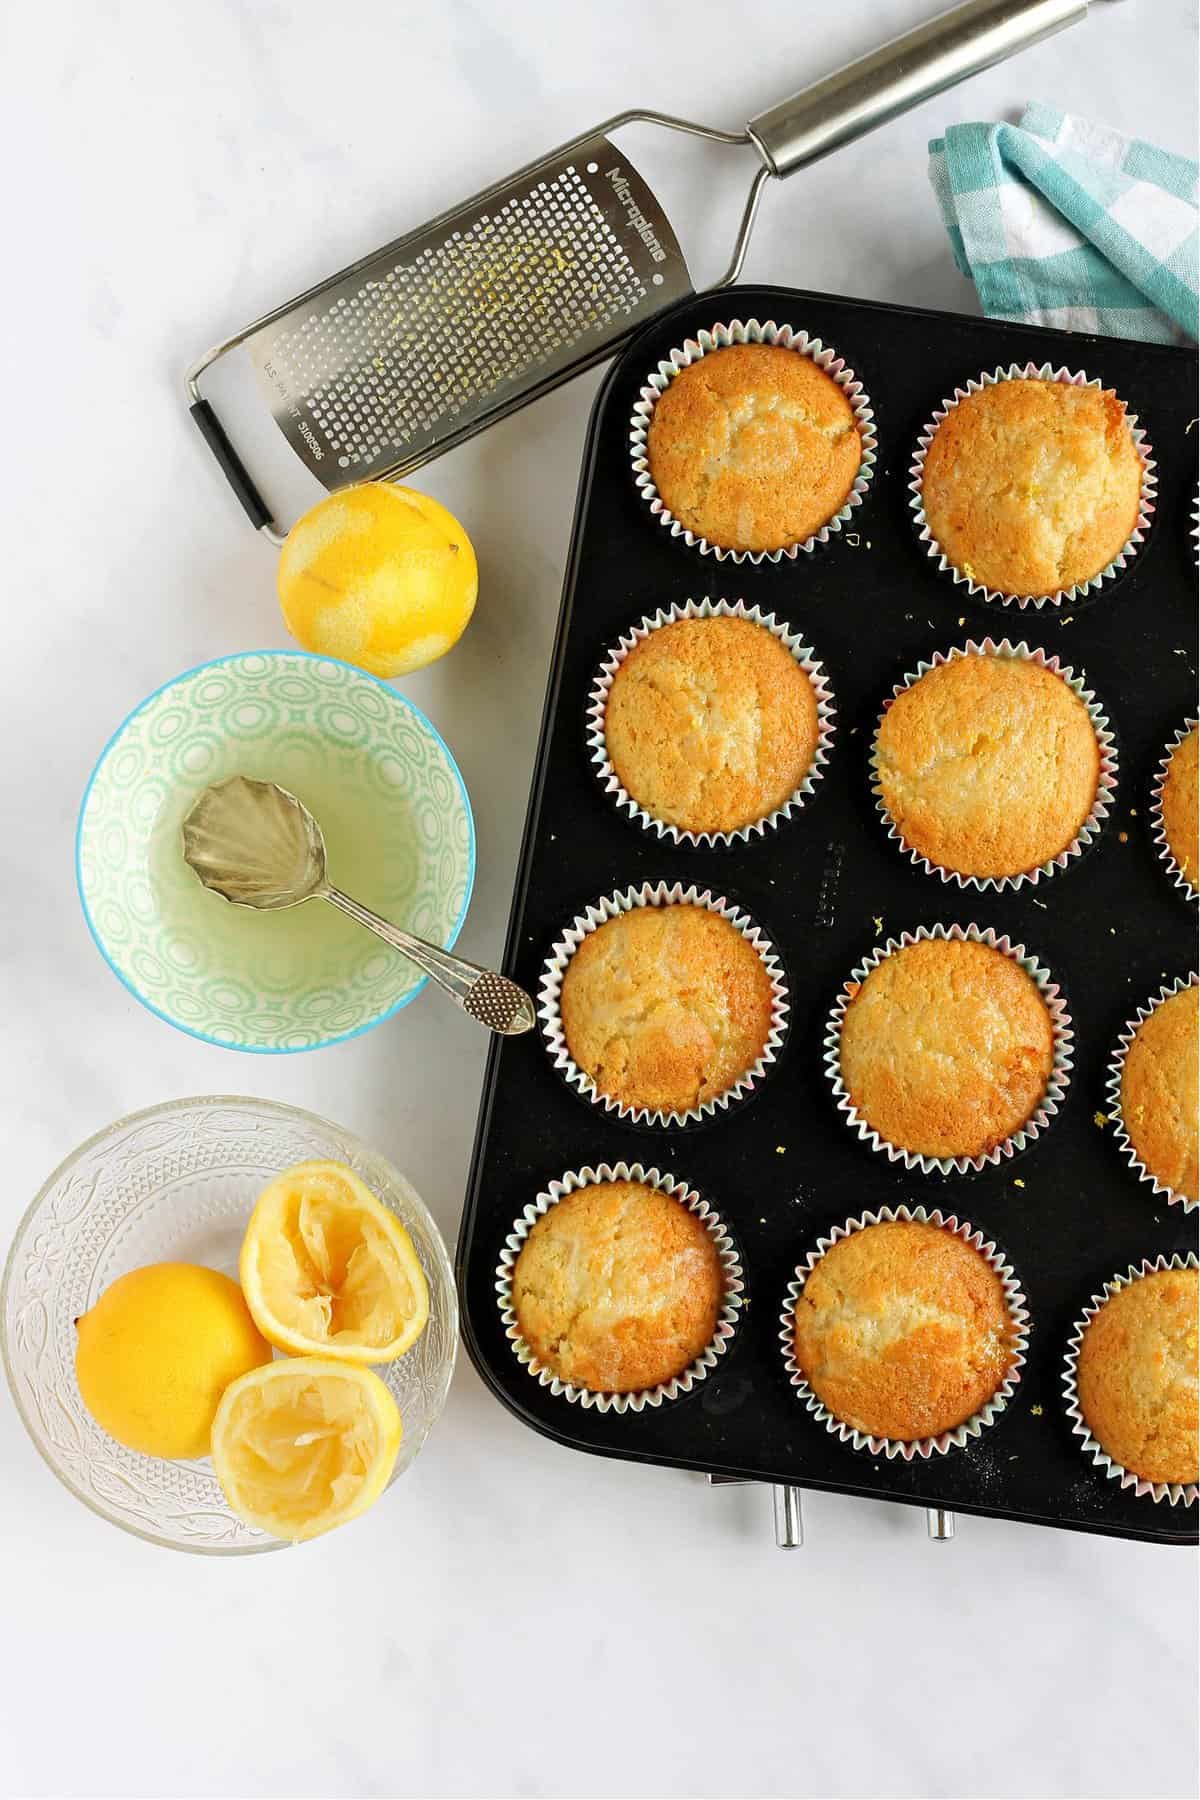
x,y
1158,830
1060,1073
1112,1094
720,337
908,1448
1105,784
731,1305
707,609
599,913
977,589
1171,1491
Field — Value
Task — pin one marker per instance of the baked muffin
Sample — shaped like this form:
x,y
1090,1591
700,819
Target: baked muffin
x,y
753,447
1180,808
947,1048
1160,1092
666,1007
1030,486
1136,1376
711,723
988,765
903,1330
618,1287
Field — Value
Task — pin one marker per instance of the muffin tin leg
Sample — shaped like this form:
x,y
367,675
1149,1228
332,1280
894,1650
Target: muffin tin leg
x,y
789,1520
940,1523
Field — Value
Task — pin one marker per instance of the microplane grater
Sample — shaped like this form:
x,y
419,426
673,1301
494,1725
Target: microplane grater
x,y
450,323
416,347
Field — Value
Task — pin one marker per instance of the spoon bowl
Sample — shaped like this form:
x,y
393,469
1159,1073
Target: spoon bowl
x,y
254,844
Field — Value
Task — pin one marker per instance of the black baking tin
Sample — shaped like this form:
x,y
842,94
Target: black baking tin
x,y
827,885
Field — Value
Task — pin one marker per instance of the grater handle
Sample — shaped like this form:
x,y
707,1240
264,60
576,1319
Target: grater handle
x,y
232,466
912,68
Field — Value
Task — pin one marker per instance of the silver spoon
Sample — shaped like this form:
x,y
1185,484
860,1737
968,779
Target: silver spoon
x,y
257,845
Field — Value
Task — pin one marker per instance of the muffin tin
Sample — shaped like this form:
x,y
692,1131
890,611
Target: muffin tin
x,y
828,887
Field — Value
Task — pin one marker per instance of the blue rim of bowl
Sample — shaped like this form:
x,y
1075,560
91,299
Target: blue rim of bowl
x,y
218,662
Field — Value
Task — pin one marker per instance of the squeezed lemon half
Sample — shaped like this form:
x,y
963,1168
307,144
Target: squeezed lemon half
x,y
327,1270
304,1445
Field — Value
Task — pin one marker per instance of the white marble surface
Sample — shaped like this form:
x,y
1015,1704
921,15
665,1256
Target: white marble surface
x,y
515,1619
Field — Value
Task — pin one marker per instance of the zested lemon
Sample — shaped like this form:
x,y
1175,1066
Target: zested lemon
x,y
157,1351
378,575
327,1270
304,1445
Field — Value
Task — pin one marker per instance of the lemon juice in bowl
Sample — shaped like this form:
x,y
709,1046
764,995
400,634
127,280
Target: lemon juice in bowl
x,y
381,784
373,854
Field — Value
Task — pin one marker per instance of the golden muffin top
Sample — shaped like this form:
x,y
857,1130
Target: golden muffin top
x,y
947,1048
666,1006
1031,486
711,723
903,1330
1160,1091
988,765
753,447
1136,1377
1181,808
618,1287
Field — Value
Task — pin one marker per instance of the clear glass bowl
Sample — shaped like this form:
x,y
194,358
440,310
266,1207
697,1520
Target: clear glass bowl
x,y
177,1183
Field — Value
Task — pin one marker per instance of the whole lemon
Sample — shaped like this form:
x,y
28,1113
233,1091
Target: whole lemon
x,y
379,576
157,1351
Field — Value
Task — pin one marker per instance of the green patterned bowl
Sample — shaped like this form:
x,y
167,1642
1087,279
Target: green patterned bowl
x,y
397,824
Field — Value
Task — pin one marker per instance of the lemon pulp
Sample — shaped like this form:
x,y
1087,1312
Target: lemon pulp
x,y
327,1269
303,1445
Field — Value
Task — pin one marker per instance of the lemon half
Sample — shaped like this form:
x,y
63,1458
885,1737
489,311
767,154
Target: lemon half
x,y
327,1270
380,576
157,1351
304,1445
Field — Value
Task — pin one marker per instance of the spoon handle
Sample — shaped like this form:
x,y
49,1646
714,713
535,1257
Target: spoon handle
x,y
468,983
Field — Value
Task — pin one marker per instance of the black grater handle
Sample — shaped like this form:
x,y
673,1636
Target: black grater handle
x,y
232,466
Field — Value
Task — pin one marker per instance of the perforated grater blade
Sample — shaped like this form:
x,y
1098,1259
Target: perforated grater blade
x,y
418,346
405,354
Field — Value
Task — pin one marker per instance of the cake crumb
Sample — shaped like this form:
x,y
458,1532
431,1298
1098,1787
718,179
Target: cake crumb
x,y
1100,1120
1017,1182
781,1149
1122,837
1036,1411
877,921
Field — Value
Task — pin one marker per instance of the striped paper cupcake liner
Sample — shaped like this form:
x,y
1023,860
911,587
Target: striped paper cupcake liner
x,y
1106,781
957,1436
1175,1493
599,913
1056,1087
1081,590
731,1304
720,337
1113,1101
598,707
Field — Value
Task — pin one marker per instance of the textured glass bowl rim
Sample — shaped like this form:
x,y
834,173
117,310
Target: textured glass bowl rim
x,y
161,1110
426,724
